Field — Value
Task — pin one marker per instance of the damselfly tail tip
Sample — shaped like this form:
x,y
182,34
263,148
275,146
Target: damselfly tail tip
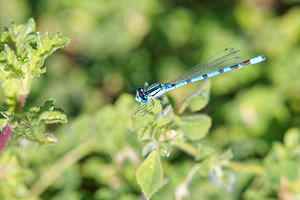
x,y
257,59
263,57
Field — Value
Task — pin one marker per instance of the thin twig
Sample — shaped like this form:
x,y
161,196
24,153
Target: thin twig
x,y
253,169
55,171
249,168
182,190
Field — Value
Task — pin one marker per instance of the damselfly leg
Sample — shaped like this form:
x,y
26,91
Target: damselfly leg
x,y
150,108
140,109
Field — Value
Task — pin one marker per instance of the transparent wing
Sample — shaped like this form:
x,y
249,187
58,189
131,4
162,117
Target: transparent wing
x,y
224,58
150,86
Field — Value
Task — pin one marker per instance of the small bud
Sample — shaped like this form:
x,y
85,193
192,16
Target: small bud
x,y
49,138
181,192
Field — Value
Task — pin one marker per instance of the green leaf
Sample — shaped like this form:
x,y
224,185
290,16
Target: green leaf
x,y
13,184
276,169
53,117
148,148
163,121
204,152
11,63
292,137
45,46
32,124
24,34
290,169
3,122
141,121
22,55
226,155
195,127
150,174
18,37
126,104
48,106
49,114
197,100
145,133
24,51
165,149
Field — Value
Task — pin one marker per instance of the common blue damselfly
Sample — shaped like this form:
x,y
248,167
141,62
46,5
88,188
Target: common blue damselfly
x,y
224,61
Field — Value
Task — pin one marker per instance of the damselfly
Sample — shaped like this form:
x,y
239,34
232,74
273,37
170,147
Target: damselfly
x,y
224,61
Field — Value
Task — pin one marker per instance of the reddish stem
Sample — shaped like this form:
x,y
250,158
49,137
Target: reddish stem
x,y
4,136
7,131
20,102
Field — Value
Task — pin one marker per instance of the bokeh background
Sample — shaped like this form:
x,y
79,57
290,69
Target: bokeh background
x,y
117,45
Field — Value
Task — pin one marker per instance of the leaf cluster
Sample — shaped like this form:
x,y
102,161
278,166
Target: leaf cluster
x,y
162,130
22,55
31,125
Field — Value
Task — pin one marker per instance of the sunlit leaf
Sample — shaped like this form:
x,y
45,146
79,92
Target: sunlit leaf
x,y
292,137
32,124
144,133
22,55
195,127
150,174
11,63
140,120
148,148
198,99
46,45
226,155
204,152
53,117
290,169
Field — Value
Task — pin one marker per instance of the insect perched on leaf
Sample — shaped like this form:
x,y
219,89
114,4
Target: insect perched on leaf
x,y
224,61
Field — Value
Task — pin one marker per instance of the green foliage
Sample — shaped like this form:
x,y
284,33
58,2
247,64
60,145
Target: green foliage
x,y
31,125
281,169
22,55
13,185
198,99
150,174
282,161
163,129
195,127
255,109
116,47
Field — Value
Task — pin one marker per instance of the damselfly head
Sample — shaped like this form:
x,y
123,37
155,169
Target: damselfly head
x,y
140,96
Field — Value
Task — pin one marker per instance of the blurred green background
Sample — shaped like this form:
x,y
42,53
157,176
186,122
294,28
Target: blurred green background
x,y
117,45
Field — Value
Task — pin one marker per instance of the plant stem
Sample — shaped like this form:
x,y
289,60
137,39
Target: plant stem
x,y
4,136
7,131
55,171
253,169
181,191
20,103
191,174
189,149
